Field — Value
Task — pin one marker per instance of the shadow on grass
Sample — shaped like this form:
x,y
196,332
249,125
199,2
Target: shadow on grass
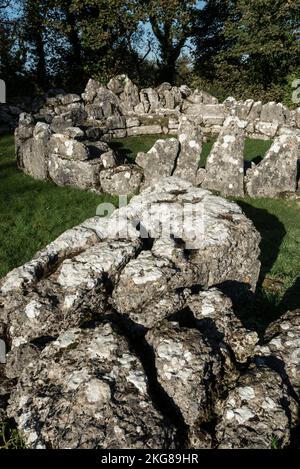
x,y
257,311
291,298
9,165
122,151
272,233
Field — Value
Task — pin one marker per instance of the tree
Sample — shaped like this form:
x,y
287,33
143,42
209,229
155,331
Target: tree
x,y
265,39
172,22
12,51
254,48
34,26
209,35
106,29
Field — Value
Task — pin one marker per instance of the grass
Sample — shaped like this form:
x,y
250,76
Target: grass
x,y
33,213
278,222
10,437
130,146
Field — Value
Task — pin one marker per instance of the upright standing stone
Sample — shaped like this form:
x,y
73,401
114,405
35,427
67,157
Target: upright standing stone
x,y
225,164
35,152
190,138
159,161
277,172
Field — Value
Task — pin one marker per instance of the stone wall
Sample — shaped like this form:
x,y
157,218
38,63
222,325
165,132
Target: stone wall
x,y
121,110
121,337
67,139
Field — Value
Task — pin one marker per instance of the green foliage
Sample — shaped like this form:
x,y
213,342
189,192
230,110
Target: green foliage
x,y
10,437
243,48
172,22
106,30
275,443
255,47
290,89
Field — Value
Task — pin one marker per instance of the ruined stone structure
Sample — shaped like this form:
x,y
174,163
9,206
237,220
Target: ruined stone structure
x,y
124,332
67,140
121,333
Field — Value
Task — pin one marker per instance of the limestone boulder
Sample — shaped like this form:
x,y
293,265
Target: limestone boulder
x,y
243,109
88,390
197,219
152,129
215,317
274,112
150,96
117,84
281,347
130,97
32,155
113,334
68,148
189,370
122,180
225,164
75,173
255,414
268,129
190,136
277,172
160,161
69,297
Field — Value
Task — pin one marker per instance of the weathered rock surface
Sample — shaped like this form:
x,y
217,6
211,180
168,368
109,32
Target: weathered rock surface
x,y
214,314
274,112
281,348
68,148
225,164
160,161
190,137
70,296
188,369
69,274
277,172
32,147
255,414
123,180
81,174
118,336
103,403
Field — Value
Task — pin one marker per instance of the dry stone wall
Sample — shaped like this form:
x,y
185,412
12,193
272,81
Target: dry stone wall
x,y
67,140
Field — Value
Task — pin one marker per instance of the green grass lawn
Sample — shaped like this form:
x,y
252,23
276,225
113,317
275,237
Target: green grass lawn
x,y
33,213
130,146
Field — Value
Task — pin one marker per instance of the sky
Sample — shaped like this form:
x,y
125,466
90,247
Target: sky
x,y
186,50
15,11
